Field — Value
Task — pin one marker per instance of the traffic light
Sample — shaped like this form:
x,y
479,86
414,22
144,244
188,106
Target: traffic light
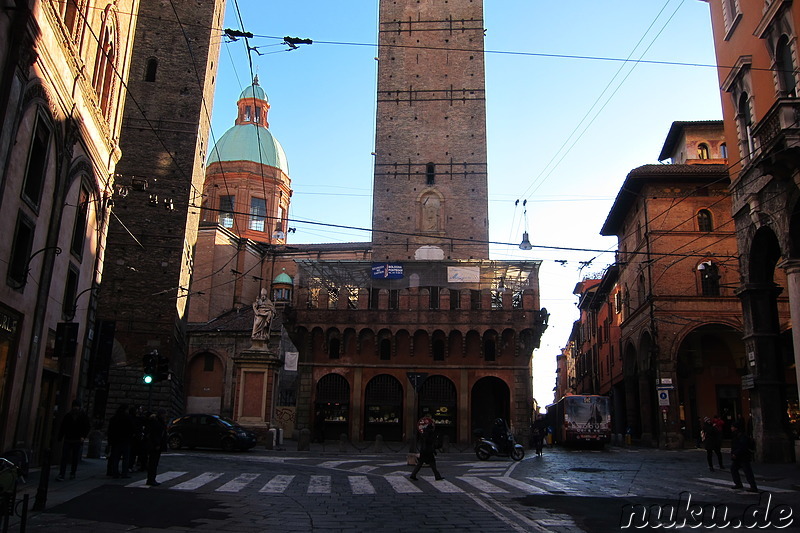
x,y
162,368
149,362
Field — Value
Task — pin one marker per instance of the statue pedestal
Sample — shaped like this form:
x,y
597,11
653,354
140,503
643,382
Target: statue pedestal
x,y
256,372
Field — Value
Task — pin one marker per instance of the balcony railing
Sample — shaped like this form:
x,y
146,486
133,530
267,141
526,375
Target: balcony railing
x,y
779,129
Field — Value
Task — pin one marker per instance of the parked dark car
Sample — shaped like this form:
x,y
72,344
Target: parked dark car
x,y
208,431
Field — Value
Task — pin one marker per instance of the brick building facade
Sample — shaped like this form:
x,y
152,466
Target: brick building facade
x,y
419,321
63,68
756,48
152,235
664,324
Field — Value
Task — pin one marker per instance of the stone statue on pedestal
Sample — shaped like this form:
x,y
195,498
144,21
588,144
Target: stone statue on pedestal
x,y
264,311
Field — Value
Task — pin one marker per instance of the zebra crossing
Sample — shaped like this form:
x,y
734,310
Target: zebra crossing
x,y
483,480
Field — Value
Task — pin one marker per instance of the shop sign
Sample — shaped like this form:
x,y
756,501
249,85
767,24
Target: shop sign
x,y
463,274
8,323
387,271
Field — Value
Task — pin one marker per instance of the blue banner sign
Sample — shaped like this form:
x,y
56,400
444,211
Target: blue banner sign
x,y
387,271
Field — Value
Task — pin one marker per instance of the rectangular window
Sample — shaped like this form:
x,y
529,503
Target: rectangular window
x,y
226,204
455,299
258,213
475,300
79,229
37,162
394,299
68,305
20,252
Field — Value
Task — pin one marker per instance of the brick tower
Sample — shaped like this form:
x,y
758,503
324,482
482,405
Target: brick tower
x,y
430,185
153,229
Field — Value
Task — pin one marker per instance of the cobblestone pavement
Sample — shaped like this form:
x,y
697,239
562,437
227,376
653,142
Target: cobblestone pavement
x,y
561,491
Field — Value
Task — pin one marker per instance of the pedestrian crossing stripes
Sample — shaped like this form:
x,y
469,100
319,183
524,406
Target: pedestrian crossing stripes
x,y
362,484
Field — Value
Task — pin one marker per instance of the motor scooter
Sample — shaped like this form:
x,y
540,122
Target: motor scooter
x,y
486,448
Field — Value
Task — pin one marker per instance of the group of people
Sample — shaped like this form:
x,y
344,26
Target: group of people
x,y
135,441
741,450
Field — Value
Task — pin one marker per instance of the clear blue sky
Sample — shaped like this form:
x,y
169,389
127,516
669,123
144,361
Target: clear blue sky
x,y
564,126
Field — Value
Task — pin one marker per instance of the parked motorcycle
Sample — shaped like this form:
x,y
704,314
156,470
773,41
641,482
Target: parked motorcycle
x,y
486,448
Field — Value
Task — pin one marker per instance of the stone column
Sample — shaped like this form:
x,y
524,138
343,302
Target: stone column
x,y
792,269
765,365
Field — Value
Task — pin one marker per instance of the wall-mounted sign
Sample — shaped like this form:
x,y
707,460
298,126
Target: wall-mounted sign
x,y
387,271
463,274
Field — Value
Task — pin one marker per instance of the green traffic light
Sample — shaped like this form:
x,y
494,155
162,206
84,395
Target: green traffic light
x,y
147,379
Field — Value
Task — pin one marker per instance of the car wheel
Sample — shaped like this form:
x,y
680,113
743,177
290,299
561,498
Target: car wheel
x,y
228,444
175,442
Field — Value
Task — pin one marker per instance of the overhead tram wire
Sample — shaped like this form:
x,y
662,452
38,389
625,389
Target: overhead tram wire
x,y
544,176
465,241
204,107
130,94
248,49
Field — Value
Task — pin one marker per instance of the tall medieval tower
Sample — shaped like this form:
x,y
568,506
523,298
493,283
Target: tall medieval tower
x,y
154,225
430,185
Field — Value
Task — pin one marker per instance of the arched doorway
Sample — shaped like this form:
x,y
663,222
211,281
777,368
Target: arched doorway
x,y
333,404
383,408
491,399
206,384
711,361
438,400
766,379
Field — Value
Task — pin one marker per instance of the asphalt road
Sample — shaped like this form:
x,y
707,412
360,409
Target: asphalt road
x,y
564,490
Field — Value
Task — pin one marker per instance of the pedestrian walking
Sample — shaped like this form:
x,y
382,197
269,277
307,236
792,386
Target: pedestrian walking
x,y
538,431
120,437
712,442
427,452
156,442
319,426
741,457
73,430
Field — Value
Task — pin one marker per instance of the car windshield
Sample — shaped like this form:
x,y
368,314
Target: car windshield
x,y
226,422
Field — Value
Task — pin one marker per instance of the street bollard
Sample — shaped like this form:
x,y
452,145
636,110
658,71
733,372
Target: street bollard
x,y
304,440
378,443
343,442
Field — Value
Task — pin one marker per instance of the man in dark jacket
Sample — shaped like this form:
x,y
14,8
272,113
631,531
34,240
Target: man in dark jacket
x,y
74,428
120,436
740,458
156,442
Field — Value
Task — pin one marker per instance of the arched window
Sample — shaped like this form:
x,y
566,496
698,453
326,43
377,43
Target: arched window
x,y
151,69
333,348
71,16
430,174
745,122
723,150
105,63
709,278
702,151
785,67
641,286
704,220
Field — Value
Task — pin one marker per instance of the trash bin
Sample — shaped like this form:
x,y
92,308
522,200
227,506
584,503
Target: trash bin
x,y
271,434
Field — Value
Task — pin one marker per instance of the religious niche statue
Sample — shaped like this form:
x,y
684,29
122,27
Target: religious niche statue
x,y
430,213
264,311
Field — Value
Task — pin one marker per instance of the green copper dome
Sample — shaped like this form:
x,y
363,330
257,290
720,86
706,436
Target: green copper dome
x,y
242,142
284,278
254,91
